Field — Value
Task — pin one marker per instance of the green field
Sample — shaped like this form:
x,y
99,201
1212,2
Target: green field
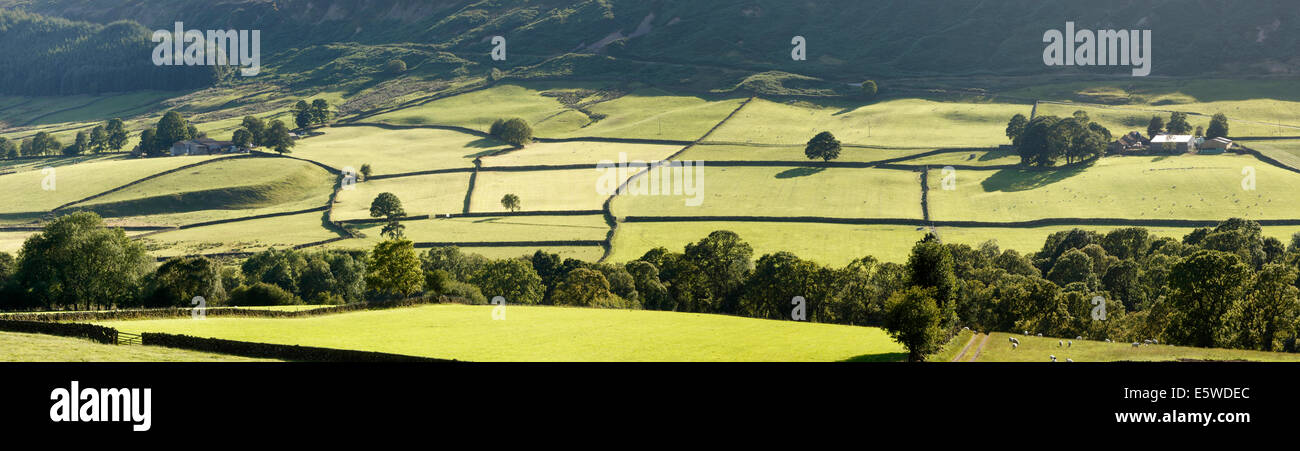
x,y
911,123
799,191
734,152
233,185
18,347
550,334
475,229
244,236
1037,349
395,151
569,189
74,182
1167,187
420,195
580,153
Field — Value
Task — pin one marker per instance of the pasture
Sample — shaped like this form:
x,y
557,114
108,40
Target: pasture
x,y
1206,187
395,151
910,123
1037,349
244,236
536,334
420,195
787,191
233,185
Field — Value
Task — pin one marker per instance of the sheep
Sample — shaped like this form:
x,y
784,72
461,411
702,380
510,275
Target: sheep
x,y
1069,343
1060,343
1013,340
1136,344
1040,334
1155,341
1026,333
1108,341
1069,360
1146,342
1053,357
1078,337
965,328
1014,346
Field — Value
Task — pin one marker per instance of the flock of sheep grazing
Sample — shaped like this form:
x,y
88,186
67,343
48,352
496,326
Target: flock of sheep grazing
x,y
1015,343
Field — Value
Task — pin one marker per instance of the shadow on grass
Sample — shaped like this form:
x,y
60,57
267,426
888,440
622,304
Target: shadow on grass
x,y
484,143
886,357
798,172
1012,180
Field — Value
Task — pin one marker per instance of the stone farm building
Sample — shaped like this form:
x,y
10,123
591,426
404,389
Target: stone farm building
x,y
204,146
1214,146
1130,143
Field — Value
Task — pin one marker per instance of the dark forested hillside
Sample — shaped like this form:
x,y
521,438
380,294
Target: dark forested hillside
x,y
52,56
847,39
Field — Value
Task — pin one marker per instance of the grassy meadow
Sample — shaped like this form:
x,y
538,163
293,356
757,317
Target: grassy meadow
x,y
465,332
1037,349
1208,187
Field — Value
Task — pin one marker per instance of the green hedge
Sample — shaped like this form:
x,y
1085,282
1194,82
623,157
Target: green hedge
x,y
106,335
274,351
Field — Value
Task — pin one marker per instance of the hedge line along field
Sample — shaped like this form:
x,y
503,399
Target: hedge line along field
x,y
538,333
1038,349
1206,187
20,347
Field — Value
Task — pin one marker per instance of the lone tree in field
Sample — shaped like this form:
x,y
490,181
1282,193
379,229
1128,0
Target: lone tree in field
x,y
823,146
388,206
1218,127
511,202
912,318
1156,126
365,171
870,89
277,137
1016,127
514,131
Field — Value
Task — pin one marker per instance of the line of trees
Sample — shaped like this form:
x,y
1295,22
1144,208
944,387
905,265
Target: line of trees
x,y
111,136
1226,286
